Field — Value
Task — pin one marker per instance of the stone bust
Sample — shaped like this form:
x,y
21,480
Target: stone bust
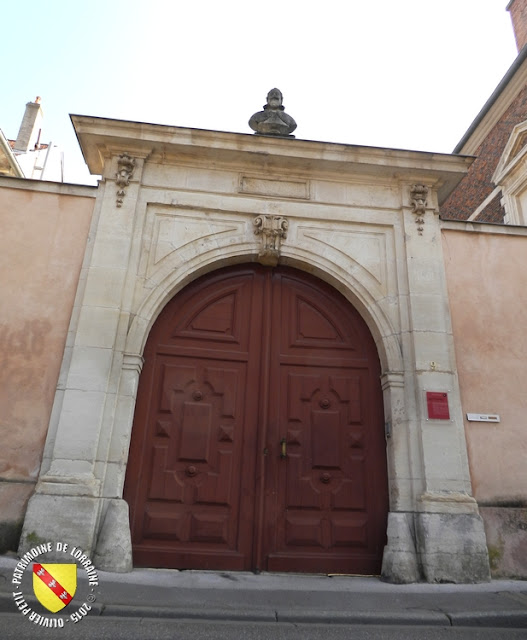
x,y
273,120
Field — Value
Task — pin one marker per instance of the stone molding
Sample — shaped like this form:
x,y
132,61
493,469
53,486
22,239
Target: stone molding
x,y
133,362
392,379
447,502
510,176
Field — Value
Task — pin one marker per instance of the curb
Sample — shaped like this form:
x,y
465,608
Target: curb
x,y
7,604
210,614
404,618
501,619
483,619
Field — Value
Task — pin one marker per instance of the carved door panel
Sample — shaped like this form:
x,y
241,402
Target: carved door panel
x,y
190,479
236,363
328,495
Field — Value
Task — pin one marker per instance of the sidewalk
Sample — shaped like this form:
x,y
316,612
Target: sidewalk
x,y
232,596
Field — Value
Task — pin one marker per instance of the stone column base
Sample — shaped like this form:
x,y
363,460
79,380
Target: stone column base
x,y
75,520
114,544
436,547
399,562
452,547
59,518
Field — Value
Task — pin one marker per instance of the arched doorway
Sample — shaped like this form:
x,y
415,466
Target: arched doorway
x,y
258,438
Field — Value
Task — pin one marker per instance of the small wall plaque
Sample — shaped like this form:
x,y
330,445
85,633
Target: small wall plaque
x,y
483,417
437,405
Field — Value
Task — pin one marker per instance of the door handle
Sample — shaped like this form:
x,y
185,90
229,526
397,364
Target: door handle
x,y
283,448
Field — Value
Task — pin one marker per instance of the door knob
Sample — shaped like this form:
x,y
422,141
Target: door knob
x,y
283,448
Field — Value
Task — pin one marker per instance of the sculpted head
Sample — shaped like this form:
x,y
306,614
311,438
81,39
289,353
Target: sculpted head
x,y
274,99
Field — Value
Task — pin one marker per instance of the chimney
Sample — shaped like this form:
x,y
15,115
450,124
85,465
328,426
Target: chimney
x,y
518,11
29,132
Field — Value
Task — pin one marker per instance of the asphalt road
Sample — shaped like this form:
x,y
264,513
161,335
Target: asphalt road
x,y
14,626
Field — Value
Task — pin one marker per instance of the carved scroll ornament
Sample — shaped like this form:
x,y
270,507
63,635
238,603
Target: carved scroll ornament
x,y
272,230
125,170
419,194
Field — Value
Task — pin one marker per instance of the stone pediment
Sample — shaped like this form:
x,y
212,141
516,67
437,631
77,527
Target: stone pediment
x,y
514,152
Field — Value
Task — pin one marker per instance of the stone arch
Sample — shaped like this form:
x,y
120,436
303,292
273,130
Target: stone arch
x,y
328,270
148,396
355,291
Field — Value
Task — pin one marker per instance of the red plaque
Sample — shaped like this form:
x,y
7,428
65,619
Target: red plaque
x,y
437,404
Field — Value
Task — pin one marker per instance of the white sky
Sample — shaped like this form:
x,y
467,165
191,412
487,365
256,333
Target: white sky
x,y
409,74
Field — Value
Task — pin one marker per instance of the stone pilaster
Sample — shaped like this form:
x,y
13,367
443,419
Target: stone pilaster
x,y
449,536
72,484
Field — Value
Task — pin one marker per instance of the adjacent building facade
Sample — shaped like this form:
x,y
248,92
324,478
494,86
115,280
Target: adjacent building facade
x,y
27,156
280,356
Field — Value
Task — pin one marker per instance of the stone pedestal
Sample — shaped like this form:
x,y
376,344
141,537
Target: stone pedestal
x,y
452,547
435,547
60,518
114,544
399,564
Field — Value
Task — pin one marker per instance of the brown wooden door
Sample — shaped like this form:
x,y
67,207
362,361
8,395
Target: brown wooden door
x,y
258,438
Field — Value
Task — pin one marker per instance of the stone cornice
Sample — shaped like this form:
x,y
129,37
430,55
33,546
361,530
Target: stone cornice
x,y
62,188
496,228
102,138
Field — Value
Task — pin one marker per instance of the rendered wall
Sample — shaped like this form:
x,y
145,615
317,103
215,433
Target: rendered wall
x,y
42,243
486,268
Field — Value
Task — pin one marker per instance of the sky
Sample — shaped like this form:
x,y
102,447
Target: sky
x,y
407,74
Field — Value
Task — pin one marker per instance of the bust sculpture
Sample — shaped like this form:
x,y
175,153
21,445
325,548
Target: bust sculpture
x,y
273,120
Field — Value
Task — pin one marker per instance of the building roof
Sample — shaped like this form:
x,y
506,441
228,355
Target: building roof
x,y
38,147
508,88
8,163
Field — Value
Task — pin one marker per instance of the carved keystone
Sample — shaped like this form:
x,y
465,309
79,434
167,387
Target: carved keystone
x,y
272,229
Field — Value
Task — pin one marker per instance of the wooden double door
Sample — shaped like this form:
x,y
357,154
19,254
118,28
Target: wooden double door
x,y
258,438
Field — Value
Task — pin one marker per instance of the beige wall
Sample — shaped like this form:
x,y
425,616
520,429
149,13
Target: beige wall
x,y
486,269
44,231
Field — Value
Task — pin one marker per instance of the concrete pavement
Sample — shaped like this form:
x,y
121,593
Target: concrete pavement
x,y
286,598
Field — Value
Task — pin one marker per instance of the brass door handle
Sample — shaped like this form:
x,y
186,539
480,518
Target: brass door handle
x,y
283,448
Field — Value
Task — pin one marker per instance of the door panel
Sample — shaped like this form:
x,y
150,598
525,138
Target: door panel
x,y
190,477
236,363
328,497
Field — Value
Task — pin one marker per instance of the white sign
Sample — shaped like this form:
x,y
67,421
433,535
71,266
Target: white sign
x,y
483,417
